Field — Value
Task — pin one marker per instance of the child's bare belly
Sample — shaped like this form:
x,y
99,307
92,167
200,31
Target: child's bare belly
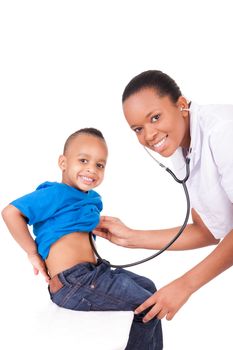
x,y
71,249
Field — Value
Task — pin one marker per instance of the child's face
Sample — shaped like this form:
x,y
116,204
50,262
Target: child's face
x,y
83,164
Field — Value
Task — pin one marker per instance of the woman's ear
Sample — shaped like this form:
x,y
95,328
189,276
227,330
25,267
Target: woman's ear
x,y
182,104
62,162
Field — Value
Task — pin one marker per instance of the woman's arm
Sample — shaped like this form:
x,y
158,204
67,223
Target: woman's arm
x,y
163,302
195,235
17,225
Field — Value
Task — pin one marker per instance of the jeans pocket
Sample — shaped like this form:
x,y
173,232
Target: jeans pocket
x,y
71,301
77,303
83,305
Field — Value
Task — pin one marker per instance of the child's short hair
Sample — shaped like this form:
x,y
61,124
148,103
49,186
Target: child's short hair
x,y
88,131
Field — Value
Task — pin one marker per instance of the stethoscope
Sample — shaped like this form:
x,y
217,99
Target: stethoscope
x,y
183,183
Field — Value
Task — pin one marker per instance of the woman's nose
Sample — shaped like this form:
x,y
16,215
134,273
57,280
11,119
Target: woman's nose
x,y
149,132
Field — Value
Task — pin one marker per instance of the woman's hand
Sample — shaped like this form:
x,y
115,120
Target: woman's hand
x,y
38,265
166,301
114,230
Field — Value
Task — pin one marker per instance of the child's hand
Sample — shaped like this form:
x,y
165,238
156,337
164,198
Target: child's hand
x,y
38,265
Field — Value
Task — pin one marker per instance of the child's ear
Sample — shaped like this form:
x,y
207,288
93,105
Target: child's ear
x,y
62,162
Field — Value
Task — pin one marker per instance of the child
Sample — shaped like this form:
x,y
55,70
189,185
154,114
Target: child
x,y
62,214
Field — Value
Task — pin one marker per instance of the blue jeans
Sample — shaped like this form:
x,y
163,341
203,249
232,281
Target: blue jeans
x,y
90,287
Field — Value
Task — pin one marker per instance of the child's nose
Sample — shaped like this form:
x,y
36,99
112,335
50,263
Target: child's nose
x,y
90,168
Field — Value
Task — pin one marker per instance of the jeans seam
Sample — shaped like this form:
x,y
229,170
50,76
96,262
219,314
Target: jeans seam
x,y
73,289
112,299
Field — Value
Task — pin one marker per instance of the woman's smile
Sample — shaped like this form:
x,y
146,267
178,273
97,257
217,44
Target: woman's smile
x,y
159,146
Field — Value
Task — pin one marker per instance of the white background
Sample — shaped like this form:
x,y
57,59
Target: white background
x,y
63,66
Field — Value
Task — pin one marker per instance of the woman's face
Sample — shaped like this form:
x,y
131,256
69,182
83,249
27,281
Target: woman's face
x,y
157,121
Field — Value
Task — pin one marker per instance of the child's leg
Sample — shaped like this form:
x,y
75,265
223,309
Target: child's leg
x,y
139,329
144,282
90,287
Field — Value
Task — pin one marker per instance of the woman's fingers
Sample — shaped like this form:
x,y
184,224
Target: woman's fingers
x,y
104,219
156,311
147,304
106,226
113,229
163,303
101,233
105,223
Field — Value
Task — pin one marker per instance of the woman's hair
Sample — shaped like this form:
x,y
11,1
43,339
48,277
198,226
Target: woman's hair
x,y
88,131
155,79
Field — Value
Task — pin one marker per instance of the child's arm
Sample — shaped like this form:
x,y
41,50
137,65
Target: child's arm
x,y
17,225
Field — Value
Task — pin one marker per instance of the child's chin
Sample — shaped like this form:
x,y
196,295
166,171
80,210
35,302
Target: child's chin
x,y
84,188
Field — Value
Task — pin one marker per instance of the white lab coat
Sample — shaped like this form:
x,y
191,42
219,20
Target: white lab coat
x,y
210,183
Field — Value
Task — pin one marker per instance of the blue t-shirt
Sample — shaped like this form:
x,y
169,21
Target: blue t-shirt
x,y
55,209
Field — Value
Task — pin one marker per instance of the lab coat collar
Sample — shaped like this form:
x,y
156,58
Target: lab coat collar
x,y
195,147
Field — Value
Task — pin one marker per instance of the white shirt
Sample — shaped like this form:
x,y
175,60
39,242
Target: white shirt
x,y
210,183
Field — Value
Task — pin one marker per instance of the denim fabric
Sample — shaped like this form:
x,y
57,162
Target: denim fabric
x,y
90,287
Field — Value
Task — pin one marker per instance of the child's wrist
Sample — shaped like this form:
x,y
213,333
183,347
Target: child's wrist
x,y
32,253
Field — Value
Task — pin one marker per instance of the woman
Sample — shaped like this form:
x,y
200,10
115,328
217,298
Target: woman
x,y
165,122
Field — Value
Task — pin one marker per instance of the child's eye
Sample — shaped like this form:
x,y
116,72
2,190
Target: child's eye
x,y
100,165
155,118
82,160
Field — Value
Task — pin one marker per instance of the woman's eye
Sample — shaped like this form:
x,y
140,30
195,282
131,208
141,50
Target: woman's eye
x,y
137,130
155,118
